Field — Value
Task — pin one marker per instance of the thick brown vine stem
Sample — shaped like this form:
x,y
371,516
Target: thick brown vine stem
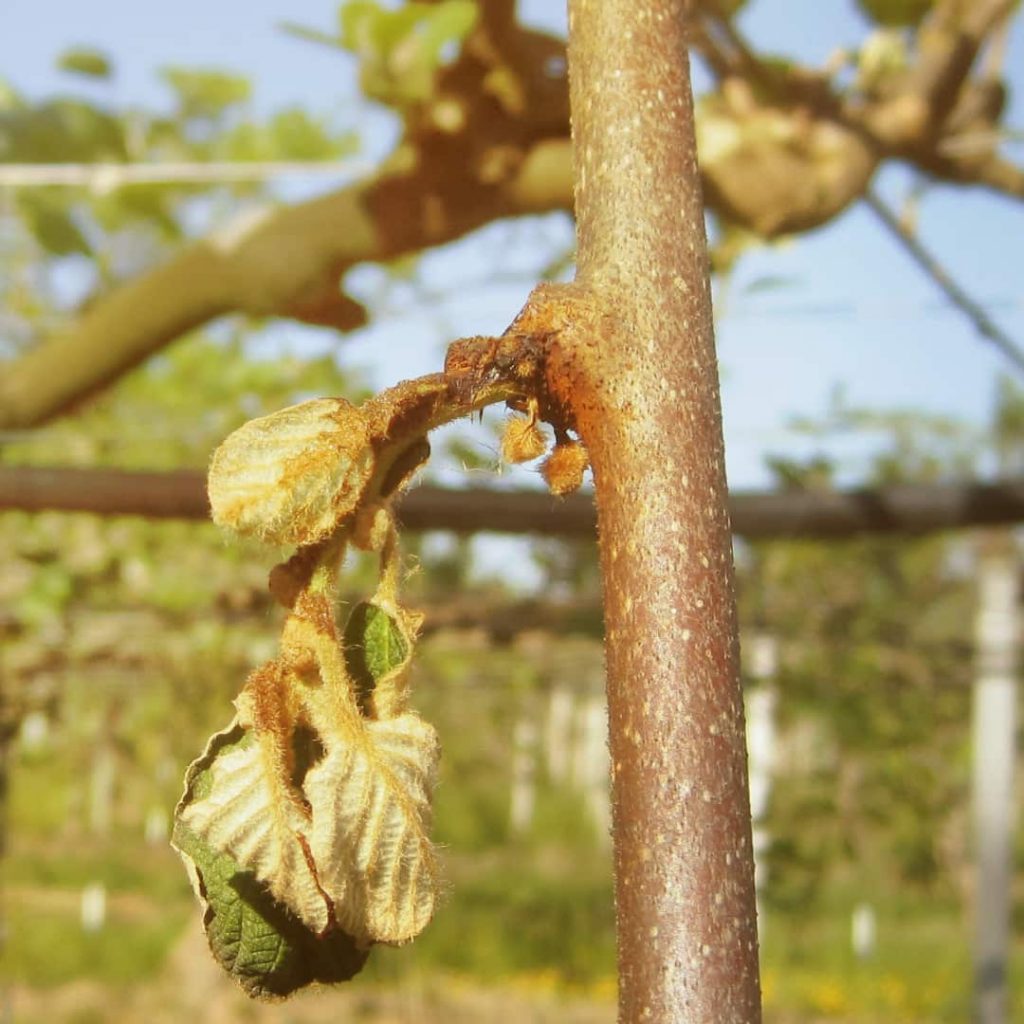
x,y
634,361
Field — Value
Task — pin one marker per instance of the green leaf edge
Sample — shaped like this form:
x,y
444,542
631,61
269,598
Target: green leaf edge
x,y
260,943
375,645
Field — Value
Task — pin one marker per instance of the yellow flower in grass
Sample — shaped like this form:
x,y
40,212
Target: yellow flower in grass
x,y
894,992
545,981
829,997
604,990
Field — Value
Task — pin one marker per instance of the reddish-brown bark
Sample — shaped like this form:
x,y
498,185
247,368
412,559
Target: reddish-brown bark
x,y
635,363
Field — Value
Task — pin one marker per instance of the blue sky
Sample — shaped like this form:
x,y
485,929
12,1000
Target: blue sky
x,y
856,312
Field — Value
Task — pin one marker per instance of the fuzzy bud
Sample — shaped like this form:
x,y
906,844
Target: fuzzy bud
x,y
563,468
292,476
522,440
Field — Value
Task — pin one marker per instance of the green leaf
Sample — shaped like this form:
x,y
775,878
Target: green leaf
x,y
263,946
149,205
48,594
402,49
85,61
768,283
292,134
296,135
375,645
895,13
310,35
359,24
451,21
60,130
52,224
207,94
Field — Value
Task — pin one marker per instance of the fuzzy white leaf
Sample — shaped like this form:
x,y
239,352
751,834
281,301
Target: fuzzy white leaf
x,y
371,819
290,477
250,814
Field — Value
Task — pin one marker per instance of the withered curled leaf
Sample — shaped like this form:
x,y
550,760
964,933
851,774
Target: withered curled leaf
x,y
305,826
256,939
291,477
254,814
337,833
371,828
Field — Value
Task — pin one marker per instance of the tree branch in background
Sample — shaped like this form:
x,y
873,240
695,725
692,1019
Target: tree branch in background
x,y
947,45
283,262
783,149
988,169
471,155
181,494
917,115
982,322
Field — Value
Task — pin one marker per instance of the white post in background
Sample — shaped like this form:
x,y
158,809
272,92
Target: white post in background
x,y
994,728
863,931
762,653
102,778
155,829
558,738
590,763
94,906
524,774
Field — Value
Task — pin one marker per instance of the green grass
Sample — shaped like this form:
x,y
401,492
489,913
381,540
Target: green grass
x,y
46,948
518,923
149,902
121,865
40,794
539,911
536,906
920,971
